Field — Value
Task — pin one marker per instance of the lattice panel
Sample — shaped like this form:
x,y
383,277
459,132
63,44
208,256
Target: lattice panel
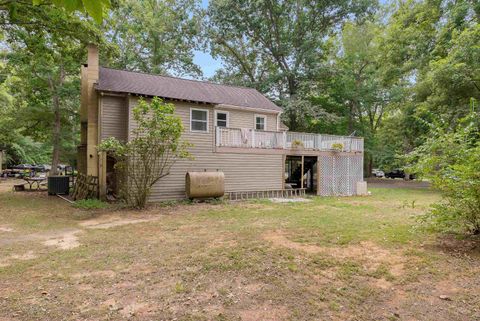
x,y
339,174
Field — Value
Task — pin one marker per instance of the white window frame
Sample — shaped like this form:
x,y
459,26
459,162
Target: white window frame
x,y
208,117
222,112
264,121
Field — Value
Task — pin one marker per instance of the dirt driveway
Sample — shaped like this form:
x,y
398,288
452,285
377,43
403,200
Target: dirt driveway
x,y
397,183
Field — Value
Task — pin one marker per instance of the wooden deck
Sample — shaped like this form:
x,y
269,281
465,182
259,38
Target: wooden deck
x,y
251,139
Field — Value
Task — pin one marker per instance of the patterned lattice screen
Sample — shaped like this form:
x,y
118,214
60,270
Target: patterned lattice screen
x,y
339,174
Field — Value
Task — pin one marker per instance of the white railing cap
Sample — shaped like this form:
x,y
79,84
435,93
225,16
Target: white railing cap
x,y
292,133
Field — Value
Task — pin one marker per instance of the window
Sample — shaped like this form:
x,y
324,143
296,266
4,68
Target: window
x,y
260,122
222,118
198,120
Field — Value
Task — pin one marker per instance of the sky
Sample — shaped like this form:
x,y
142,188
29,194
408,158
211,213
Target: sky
x,y
207,63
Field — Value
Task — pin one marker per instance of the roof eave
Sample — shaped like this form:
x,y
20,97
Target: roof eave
x,y
226,106
263,110
127,93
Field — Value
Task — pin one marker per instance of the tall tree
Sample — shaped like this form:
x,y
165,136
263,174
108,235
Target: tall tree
x,y
43,55
432,46
365,93
157,36
276,45
95,8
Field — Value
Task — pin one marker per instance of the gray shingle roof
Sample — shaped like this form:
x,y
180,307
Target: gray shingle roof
x,y
176,88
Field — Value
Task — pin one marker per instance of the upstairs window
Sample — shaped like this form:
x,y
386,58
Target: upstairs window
x,y
260,122
222,119
198,120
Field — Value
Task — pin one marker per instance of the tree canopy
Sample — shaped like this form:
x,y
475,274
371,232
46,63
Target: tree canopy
x,y
277,46
42,50
155,36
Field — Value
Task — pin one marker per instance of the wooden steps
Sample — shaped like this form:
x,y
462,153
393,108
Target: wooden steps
x,y
276,193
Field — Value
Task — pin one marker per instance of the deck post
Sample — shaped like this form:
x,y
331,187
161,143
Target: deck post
x,y
348,176
217,136
319,181
301,177
102,175
333,176
253,138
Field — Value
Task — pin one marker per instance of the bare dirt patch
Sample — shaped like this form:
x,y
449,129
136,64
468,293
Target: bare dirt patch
x,y
279,238
68,238
368,252
6,261
23,257
453,245
40,236
135,309
114,222
290,200
95,274
382,284
264,312
65,241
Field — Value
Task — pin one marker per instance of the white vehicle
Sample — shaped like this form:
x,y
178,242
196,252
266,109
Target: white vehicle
x,y
378,173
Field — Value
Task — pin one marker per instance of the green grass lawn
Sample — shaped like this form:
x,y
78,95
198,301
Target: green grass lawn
x,y
358,258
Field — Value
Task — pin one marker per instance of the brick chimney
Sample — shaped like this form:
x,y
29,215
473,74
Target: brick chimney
x,y
87,162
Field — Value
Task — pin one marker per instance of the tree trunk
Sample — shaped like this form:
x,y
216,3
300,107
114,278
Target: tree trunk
x,y
370,165
293,121
350,118
56,134
57,121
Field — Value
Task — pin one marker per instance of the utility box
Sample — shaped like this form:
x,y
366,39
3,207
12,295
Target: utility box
x,y
362,188
58,185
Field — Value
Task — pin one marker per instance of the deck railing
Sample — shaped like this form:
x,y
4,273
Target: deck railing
x,y
250,138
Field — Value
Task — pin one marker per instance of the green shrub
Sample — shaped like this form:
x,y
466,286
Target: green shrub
x,y
451,160
90,204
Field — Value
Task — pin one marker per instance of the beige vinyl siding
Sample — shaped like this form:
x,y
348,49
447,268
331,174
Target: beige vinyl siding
x,y
246,119
243,172
114,117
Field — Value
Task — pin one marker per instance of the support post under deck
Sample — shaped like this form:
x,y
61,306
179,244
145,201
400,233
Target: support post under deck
x,y
319,181
301,177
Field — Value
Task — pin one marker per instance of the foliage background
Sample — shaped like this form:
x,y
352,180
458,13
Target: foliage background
x,y
388,71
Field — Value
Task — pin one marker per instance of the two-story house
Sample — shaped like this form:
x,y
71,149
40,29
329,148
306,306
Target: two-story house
x,y
233,129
